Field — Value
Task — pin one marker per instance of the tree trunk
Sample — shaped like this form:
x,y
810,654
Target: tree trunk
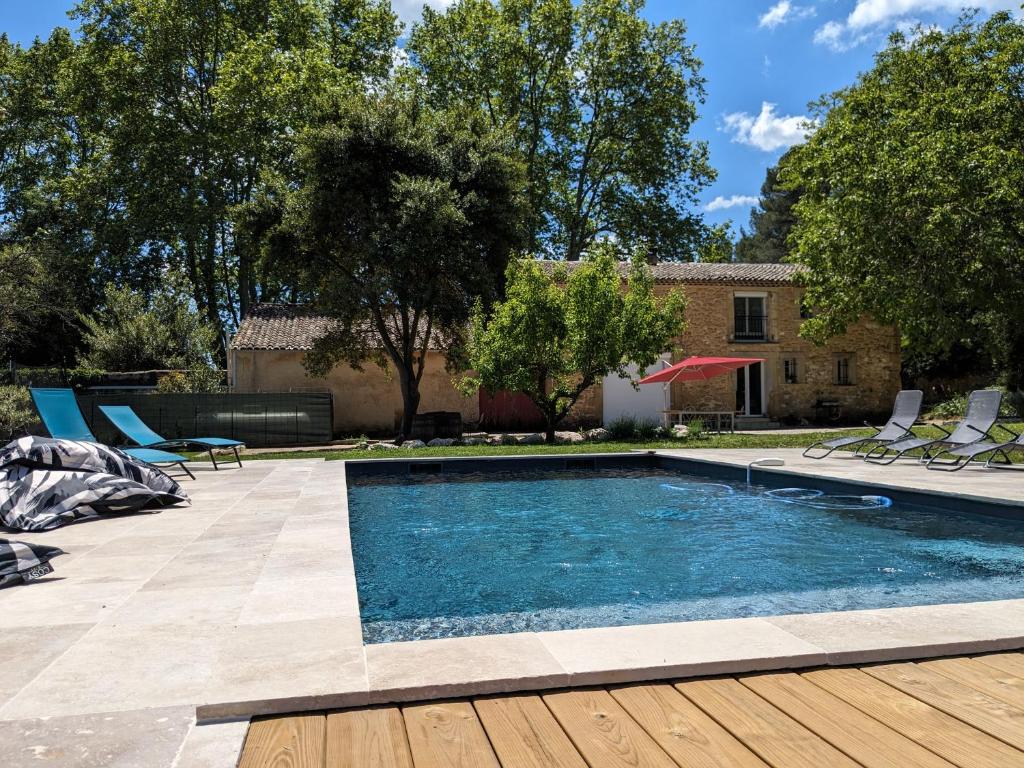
x,y
549,433
410,400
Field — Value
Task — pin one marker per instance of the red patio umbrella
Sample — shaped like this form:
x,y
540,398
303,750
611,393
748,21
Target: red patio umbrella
x,y
699,368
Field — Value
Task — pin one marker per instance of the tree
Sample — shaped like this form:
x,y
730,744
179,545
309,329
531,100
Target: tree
x,y
557,334
133,146
913,194
770,223
717,246
33,296
206,98
406,216
600,102
133,334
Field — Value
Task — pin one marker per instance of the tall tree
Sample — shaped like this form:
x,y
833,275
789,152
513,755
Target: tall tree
x,y
406,216
770,223
167,117
600,102
555,335
913,193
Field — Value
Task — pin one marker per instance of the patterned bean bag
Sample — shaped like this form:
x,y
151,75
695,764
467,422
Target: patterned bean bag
x,y
21,562
46,483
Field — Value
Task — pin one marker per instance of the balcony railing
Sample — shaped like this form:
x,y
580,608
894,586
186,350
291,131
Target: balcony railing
x,y
750,328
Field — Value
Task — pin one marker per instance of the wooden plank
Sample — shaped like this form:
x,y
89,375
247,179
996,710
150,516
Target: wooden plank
x,y
845,727
681,728
447,735
975,708
778,739
982,677
367,738
524,733
603,733
948,737
1011,663
296,741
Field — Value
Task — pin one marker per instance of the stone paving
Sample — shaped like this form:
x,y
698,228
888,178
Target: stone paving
x,y
247,593
245,603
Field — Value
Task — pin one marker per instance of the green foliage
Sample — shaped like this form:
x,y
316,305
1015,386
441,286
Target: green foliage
x,y
198,379
556,335
913,194
31,295
956,406
131,334
141,137
16,412
600,102
770,223
406,216
717,247
694,429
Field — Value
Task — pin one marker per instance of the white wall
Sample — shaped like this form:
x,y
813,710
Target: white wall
x,y
620,399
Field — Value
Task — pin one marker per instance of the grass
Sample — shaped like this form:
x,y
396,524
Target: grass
x,y
707,441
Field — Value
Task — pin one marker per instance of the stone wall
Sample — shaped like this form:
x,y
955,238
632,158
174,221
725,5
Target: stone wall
x,y
872,349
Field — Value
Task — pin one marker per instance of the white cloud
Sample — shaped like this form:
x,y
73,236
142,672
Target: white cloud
x,y
409,11
767,131
869,13
782,12
721,202
871,17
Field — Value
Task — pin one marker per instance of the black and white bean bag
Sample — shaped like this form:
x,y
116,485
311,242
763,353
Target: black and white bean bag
x,y
21,562
46,483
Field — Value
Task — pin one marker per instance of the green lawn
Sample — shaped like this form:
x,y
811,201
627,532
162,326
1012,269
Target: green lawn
x,y
711,442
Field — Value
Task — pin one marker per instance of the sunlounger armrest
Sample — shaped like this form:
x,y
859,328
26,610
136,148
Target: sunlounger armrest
x,y
1008,431
981,432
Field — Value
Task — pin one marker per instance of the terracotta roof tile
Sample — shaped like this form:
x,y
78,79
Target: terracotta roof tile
x,y
280,326
700,272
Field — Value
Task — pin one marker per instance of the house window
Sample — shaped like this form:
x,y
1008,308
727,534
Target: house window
x,y
789,371
842,366
750,316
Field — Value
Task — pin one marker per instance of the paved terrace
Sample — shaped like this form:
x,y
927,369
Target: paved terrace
x,y
245,604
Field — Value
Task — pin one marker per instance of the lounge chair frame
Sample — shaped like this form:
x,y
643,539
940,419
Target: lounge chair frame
x,y
967,453
80,431
905,410
978,400
142,431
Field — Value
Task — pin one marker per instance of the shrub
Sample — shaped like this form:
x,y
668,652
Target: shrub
x,y
632,428
623,428
194,380
646,429
956,406
16,412
694,429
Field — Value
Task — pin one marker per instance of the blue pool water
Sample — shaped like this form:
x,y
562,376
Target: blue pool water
x,y
480,554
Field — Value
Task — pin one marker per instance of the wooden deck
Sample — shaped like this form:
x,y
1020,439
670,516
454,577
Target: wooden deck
x,y
963,711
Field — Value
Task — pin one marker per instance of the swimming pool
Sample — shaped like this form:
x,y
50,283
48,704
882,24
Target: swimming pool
x,y
442,555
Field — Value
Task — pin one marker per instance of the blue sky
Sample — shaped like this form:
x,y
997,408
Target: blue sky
x,y
779,53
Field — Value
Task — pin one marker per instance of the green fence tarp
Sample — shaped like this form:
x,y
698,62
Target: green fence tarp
x,y
260,420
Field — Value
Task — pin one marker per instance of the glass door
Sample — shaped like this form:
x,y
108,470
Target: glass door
x,y
750,390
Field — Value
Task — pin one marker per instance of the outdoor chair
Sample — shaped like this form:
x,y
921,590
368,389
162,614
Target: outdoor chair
x,y
136,430
59,411
905,411
964,454
982,412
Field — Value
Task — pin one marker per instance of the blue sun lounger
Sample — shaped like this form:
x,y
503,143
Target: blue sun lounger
x,y
136,430
63,419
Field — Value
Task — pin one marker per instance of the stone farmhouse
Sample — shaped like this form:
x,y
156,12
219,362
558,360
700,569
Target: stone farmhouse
x,y
734,310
